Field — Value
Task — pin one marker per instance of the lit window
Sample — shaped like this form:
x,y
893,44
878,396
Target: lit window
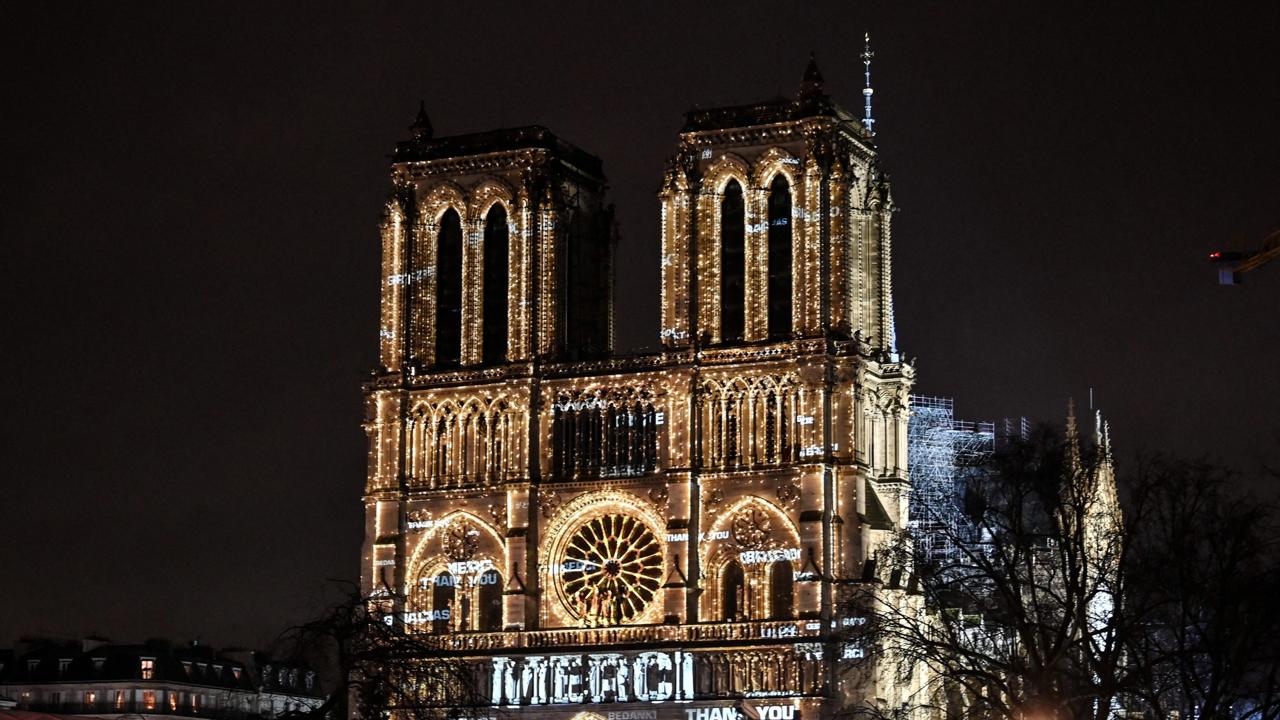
x,y
173,700
236,672
119,699
149,699
148,668
90,698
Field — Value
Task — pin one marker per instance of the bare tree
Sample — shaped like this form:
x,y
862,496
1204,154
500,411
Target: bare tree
x,y
1024,617
1049,604
374,666
1206,562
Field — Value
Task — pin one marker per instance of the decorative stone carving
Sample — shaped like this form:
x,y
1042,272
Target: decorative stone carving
x,y
548,503
714,497
659,496
750,528
498,511
788,493
460,541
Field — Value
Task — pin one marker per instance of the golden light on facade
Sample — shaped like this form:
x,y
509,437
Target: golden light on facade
x,y
698,501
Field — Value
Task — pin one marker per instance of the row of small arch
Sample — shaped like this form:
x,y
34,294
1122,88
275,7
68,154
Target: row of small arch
x,y
421,564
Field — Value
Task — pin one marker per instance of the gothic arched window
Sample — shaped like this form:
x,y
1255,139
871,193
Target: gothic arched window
x,y
590,438
779,258
443,602
490,601
781,576
443,444
732,263
449,289
495,285
733,592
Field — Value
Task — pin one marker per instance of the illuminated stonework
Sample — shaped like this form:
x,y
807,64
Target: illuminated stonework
x,y
666,528
610,570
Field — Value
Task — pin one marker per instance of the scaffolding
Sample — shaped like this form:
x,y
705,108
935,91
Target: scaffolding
x,y
941,453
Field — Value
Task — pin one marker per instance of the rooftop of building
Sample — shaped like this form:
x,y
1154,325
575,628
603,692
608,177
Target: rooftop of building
x,y
47,660
811,101
425,146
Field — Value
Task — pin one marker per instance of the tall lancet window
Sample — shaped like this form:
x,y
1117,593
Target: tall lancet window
x,y
490,601
733,592
732,263
443,603
449,290
779,258
495,285
780,590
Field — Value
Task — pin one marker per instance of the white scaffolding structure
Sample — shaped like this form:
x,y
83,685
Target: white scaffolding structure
x,y
941,451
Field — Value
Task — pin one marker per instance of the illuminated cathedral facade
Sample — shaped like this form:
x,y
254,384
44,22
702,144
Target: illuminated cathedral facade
x,y
646,537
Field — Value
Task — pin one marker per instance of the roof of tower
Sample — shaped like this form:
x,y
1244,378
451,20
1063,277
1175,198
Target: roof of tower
x,y
811,101
493,141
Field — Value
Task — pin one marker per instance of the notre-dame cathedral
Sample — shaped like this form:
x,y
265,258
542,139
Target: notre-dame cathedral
x,y
641,537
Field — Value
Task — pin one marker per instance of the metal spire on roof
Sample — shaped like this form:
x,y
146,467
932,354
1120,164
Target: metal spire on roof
x,y
867,120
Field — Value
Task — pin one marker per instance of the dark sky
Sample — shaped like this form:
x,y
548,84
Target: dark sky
x,y
189,245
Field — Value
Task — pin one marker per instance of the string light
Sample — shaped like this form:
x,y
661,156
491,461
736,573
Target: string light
x,y
755,429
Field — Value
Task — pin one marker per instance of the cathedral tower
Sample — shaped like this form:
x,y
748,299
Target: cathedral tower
x,y
776,226
496,247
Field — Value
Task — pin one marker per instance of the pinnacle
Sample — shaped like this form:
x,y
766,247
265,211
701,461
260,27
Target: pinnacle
x,y
811,84
812,76
421,126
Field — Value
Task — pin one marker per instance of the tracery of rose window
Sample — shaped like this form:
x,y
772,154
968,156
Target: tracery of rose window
x,y
610,570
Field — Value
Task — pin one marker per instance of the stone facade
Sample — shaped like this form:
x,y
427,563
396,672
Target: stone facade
x,y
660,535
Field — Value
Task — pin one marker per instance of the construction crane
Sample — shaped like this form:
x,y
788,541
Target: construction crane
x,y
1231,265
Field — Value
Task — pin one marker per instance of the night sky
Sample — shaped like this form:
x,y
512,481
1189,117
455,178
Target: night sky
x,y
189,269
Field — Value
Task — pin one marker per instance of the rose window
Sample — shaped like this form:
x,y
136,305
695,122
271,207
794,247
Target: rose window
x,y
461,540
750,527
610,570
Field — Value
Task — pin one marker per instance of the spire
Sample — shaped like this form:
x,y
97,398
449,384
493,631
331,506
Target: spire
x,y
811,83
421,126
867,121
1073,436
